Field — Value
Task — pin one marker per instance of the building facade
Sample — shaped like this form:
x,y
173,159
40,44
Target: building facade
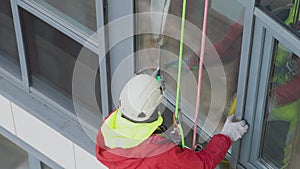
x,y
63,65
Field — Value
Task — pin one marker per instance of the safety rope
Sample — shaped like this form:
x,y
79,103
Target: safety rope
x,y
179,74
200,70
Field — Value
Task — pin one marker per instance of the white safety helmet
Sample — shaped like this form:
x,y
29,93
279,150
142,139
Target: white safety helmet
x,y
140,97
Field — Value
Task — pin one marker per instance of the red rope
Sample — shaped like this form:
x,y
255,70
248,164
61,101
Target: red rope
x,y
203,41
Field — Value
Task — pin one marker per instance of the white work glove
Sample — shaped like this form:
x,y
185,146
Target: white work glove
x,y
234,130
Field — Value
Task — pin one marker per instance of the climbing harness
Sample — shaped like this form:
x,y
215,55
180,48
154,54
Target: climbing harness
x,y
200,69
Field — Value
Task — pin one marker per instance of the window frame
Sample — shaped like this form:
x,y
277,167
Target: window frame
x,y
64,27
118,52
20,91
267,30
17,79
34,157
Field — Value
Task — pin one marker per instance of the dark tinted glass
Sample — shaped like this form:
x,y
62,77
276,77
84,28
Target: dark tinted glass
x,y
284,11
52,57
12,156
44,166
281,133
9,58
160,49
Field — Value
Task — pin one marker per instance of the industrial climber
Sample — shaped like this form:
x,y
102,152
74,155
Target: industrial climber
x,y
129,137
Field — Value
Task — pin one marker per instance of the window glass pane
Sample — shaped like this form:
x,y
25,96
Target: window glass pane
x,y
44,166
80,13
52,57
285,11
224,37
281,132
11,156
9,57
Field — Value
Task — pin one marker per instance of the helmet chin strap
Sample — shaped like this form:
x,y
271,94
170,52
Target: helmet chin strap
x,y
151,119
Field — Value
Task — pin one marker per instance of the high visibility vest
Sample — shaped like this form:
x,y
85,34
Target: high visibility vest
x,y
120,132
293,14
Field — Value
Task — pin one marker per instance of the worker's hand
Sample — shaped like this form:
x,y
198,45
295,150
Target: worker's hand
x,y
234,130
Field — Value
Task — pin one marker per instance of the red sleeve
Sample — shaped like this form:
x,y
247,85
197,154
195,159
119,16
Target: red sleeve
x,y
208,158
288,92
215,151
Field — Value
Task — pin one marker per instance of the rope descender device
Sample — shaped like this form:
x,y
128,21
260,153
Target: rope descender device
x,y
177,132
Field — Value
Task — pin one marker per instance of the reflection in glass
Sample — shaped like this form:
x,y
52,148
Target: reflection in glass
x,y
11,156
9,57
224,37
52,57
286,11
280,140
81,13
44,166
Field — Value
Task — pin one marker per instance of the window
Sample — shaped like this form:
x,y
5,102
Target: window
x,y
52,57
281,125
9,57
44,166
80,13
285,11
160,48
11,156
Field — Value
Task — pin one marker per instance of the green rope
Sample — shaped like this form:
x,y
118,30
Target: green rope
x,y
179,70
181,135
180,58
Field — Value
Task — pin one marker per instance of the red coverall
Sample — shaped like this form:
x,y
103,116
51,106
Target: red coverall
x,y
160,153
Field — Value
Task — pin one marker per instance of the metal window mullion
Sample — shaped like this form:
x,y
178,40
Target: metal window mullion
x,y
259,165
248,165
60,26
252,89
262,97
244,63
125,48
20,44
280,32
53,104
34,163
246,3
243,73
102,57
11,77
